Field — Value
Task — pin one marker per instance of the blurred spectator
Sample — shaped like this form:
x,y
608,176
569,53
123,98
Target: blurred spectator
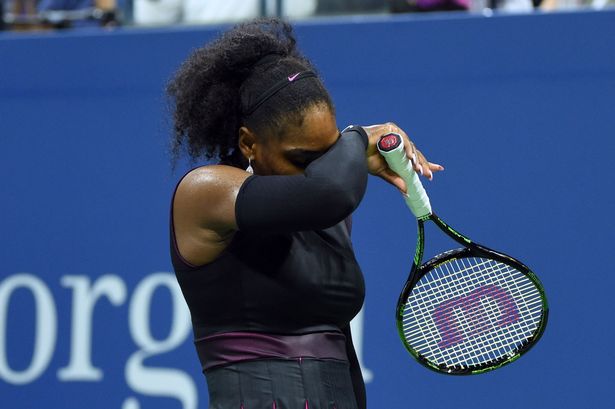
x,y
21,15
80,12
520,6
550,5
350,6
46,14
157,12
405,6
510,6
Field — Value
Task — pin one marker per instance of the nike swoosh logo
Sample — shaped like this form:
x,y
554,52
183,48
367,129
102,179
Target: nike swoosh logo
x,y
292,77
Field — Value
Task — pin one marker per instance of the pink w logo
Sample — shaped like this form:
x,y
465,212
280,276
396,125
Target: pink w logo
x,y
474,313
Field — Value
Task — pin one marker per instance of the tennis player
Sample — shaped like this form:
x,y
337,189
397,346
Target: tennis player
x,y
260,243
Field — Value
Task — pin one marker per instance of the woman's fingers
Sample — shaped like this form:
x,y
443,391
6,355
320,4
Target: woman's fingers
x,y
411,152
394,179
434,167
420,164
427,168
378,166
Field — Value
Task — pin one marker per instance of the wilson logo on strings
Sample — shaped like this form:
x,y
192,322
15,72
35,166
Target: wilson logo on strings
x,y
476,319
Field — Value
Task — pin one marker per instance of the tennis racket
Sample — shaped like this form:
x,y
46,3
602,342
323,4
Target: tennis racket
x,y
468,310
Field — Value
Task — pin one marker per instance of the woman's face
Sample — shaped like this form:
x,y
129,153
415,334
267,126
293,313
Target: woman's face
x,y
291,152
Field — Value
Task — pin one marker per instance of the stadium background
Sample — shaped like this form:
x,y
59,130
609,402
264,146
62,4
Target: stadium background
x,y
520,110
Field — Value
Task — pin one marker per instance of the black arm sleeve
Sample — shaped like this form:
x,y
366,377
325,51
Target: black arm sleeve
x,y
331,187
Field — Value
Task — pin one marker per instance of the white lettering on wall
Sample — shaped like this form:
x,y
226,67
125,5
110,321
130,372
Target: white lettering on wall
x,y
46,327
87,292
85,297
150,381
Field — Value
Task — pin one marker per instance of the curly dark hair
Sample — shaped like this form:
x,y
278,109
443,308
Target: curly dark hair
x,y
214,86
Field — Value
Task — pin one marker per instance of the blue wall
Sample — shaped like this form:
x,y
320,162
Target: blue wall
x,y
519,109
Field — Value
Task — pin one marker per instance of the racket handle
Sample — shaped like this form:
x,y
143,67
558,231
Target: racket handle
x,y
391,147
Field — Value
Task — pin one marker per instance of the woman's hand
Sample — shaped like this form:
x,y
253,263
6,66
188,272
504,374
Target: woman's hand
x,y
377,166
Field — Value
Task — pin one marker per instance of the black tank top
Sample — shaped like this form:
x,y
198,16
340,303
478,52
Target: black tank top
x,y
278,283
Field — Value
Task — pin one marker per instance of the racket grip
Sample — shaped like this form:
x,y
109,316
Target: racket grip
x,y
391,147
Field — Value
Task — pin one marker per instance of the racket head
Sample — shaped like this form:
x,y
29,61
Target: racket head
x,y
471,310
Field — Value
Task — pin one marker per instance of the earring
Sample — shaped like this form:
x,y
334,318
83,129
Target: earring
x,y
249,169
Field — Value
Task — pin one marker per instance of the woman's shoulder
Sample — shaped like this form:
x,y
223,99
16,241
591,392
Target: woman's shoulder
x,y
207,194
208,178
203,211
205,172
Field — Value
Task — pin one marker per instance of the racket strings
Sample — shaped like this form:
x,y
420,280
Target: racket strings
x,y
470,312
486,309
468,324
